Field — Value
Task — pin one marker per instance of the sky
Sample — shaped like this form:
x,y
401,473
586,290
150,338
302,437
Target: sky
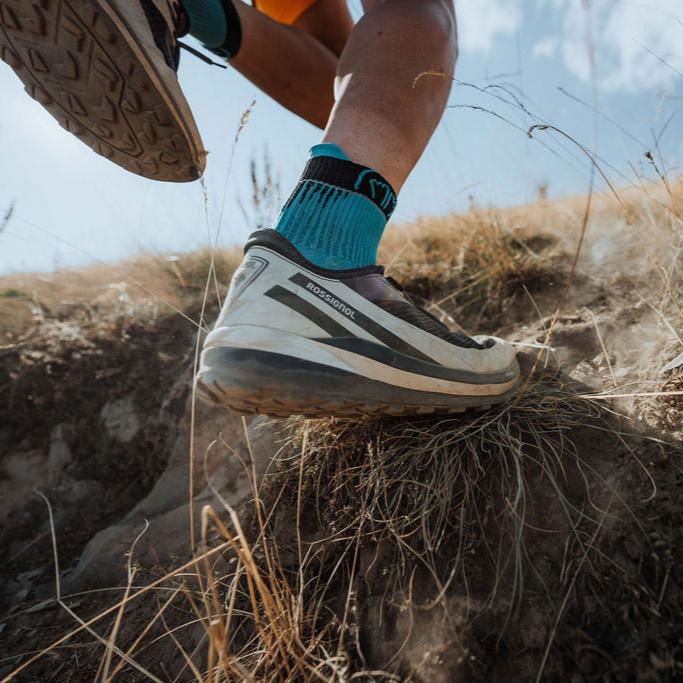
x,y
522,62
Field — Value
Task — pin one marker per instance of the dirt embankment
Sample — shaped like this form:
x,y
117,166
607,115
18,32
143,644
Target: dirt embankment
x,y
537,542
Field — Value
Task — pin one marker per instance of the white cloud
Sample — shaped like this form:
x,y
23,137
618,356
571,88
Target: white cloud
x,y
638,45
546,47
480,22
639,40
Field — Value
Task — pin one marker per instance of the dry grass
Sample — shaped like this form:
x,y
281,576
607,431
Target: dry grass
x,y
467,266
474,269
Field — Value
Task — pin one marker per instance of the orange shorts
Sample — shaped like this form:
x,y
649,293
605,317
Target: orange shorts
x,y
284,11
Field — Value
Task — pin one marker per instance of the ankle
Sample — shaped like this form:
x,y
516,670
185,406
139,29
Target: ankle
x,y
338,211
215,24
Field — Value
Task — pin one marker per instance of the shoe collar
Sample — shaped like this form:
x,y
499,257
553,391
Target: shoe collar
x,y
273,240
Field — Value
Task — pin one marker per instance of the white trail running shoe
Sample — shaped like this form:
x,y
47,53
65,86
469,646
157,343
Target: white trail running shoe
x,y
106,70
296,339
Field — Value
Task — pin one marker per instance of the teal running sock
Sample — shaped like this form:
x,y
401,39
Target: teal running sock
x,y
338,211
215,24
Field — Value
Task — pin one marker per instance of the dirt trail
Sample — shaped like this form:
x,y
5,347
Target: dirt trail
x,y
489,548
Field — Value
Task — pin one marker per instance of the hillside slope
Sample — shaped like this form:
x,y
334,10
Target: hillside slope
x,y
540,541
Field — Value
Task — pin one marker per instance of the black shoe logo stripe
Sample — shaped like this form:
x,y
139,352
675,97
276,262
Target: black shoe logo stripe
x,y
360,319
308,310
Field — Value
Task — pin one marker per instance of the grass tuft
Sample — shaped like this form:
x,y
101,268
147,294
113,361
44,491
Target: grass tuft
x,y
431,516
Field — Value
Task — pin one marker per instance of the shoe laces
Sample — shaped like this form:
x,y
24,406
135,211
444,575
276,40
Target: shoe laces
x,y
182,27
199,55
441,329
167,37
412,300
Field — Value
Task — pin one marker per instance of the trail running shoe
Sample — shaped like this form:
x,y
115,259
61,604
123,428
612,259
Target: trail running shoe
x,y
295,339
106,70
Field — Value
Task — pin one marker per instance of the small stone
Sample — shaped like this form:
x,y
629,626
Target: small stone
x,y
45,604
677,362
120,419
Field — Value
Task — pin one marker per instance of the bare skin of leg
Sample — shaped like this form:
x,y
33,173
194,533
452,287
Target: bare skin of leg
x,y
391,82
295,65
386,109
330,22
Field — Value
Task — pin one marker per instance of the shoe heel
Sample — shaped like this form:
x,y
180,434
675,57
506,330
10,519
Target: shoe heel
x,y
251,381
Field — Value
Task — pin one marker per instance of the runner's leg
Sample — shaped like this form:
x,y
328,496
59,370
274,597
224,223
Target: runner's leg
x,y
389,99
295,65
393,80
386,79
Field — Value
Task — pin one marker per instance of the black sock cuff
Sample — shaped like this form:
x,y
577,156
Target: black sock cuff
x,y
354,178
233,39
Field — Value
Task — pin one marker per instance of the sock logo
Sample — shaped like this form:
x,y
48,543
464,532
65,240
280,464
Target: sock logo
x,y
346,175
372,185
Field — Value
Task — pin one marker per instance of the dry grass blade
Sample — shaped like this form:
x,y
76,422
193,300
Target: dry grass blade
x,y
119,615
85,625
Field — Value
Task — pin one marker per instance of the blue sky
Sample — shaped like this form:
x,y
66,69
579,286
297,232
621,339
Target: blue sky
x,y
73,207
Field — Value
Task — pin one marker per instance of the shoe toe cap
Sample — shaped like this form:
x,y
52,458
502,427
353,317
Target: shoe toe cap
x,y
501,355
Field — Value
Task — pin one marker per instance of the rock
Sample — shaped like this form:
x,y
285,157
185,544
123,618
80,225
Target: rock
x,y
20,473
219,478
583,372
39,607
103,560
60,455
120,419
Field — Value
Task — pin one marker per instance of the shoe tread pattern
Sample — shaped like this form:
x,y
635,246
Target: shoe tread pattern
x,y
266,403
74,62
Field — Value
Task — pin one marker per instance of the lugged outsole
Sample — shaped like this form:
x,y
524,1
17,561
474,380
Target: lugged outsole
x,y
74,61
256,382
269,405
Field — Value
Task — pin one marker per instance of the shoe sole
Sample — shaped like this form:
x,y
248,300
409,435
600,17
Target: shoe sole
x,y
252,381
78,59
